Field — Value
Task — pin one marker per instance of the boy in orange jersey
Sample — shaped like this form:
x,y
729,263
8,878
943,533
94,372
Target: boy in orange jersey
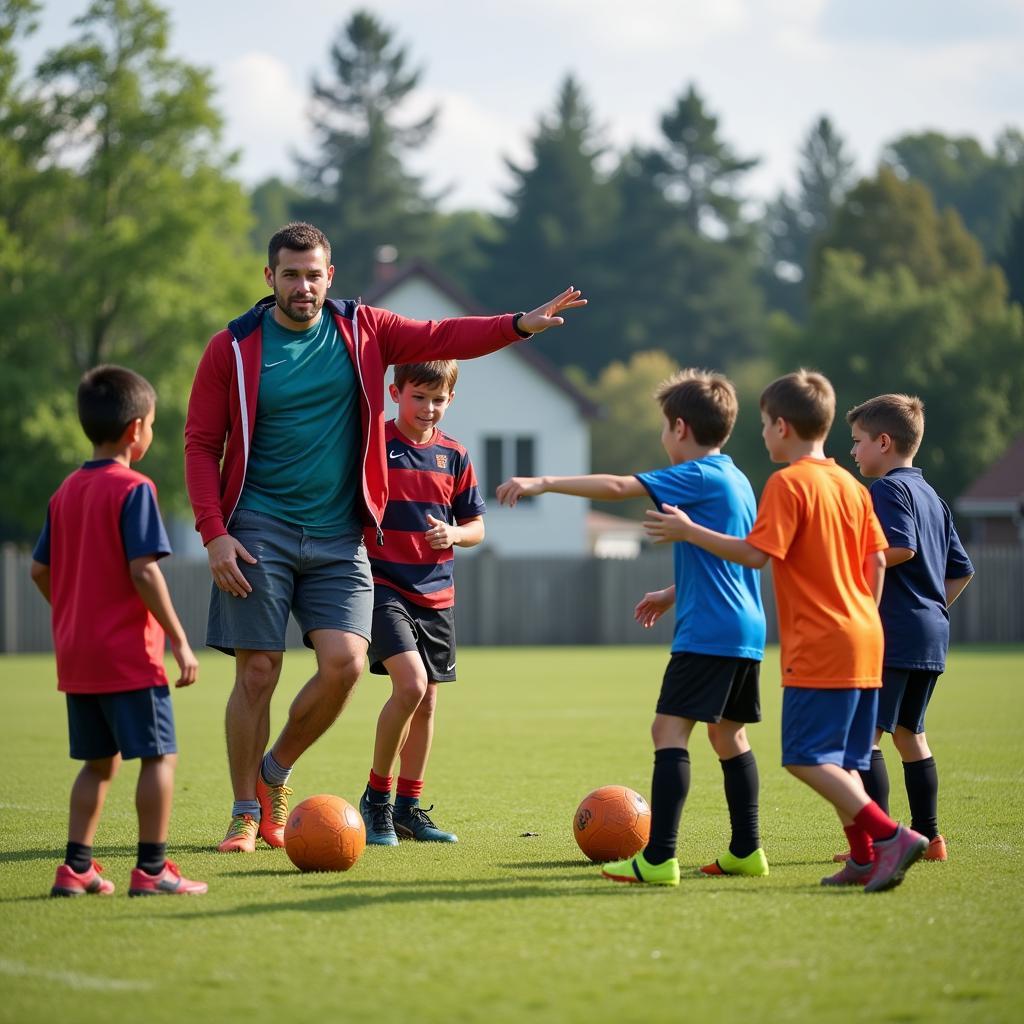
x,y
817,525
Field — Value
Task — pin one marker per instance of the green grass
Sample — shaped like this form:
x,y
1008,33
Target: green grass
x,y
503,927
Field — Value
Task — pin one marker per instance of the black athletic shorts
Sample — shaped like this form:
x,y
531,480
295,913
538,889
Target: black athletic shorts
x,y
399,626
904,698
708,688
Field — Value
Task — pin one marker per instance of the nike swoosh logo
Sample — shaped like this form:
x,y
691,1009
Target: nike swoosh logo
x,y
270,366
395,455
450,667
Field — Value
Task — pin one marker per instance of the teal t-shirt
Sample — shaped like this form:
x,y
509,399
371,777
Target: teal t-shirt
x,y
304,458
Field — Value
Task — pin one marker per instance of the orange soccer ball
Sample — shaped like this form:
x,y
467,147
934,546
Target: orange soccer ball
x,y
324,833
612,823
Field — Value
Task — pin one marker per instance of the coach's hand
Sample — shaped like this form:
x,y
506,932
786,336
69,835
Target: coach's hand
x,y
223,553
517,487
543,317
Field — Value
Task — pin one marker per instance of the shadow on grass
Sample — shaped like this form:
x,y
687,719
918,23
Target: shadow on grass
x,y
516,865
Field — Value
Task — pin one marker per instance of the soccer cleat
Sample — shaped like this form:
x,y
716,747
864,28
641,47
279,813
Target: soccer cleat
x,y
841,858
936,849
168,883
851,873
893,857
241,837
380,824
637,871
413,823
754,865
69,882
273,811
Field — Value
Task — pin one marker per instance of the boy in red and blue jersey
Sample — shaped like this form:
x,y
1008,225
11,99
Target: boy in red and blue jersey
x,y
96,564
434,505
927,569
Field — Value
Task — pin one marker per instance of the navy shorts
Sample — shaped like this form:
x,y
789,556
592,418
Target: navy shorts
x,y
904,698
400,626
133,723
708,688
324,581
828,727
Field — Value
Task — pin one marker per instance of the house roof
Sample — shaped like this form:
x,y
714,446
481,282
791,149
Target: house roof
x,y
1000,488
539,363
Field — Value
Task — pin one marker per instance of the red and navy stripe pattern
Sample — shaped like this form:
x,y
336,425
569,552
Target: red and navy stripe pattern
x,y
436,478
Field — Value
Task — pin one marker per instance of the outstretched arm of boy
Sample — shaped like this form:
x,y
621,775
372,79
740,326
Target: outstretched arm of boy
x,y
652,606
874,573
152,587
673,524
954,588
41,578
599,486
442,535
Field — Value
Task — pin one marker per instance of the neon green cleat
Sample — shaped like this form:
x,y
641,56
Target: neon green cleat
x,y
637,870
754,865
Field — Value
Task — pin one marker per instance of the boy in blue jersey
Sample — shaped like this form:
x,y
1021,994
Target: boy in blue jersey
x,y
719,637
434,505
926,570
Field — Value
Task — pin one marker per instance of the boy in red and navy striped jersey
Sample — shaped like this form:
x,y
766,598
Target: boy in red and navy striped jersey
x,y
434,504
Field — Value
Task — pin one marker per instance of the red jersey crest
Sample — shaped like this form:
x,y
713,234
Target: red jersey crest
x,y
441,460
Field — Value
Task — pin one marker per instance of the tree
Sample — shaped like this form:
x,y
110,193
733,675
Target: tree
x,y
986,189
794,224
272,204
559,216
362,196
1012,257
134,249
905,302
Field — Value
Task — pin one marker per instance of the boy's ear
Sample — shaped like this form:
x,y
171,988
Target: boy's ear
x,y
393,392
680,428
885,442
132,432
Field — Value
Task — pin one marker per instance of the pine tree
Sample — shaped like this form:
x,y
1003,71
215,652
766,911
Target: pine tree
x,y
363,196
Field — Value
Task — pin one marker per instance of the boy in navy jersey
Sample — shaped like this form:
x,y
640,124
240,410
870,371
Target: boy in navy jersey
x,y
713,674
96,563
434,504
927,569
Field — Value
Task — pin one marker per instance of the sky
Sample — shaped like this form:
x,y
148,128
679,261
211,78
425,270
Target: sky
x,y
766,68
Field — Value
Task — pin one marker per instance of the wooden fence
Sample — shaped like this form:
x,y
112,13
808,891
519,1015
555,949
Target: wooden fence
x,y
514,601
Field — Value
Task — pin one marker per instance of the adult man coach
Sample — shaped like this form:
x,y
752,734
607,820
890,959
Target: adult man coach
x,y
284,462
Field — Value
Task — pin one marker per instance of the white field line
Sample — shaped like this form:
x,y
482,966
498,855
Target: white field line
x,y
72,979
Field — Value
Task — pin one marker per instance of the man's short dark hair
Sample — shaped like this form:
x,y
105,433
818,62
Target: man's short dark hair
x,y
899,416
299,236
437,371
805,400
705,401
109,399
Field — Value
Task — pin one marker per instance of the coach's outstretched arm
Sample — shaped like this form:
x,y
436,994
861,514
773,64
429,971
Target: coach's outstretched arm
x,y
546,315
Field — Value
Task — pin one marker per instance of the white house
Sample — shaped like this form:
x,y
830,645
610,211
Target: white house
x,y
517,414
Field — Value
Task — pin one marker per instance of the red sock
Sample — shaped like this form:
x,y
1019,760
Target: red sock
x,y
411,788
860,844
876,822
380,783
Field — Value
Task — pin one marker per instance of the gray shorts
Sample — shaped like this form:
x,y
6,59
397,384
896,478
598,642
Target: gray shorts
x,y
324,581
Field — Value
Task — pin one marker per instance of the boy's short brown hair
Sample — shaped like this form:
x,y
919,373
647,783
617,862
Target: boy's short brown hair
x,y
899,416
109,399
705,401
437,371
804,399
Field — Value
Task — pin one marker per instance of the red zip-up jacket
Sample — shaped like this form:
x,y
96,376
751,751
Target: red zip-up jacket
x,y
222,407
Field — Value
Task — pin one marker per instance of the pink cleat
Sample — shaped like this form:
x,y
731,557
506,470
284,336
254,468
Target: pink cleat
x,y
893,857
168,883
70,883
273,811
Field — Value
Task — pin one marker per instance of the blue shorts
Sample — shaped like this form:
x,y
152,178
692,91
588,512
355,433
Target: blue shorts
x,y
904,698
324,581
828,727
133,723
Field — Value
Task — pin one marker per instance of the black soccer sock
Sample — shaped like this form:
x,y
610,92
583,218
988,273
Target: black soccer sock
x,y
669,787
922,779
78,857
741,780
152,857
876,780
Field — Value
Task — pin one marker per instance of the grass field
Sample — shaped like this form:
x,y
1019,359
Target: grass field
x,y
504,927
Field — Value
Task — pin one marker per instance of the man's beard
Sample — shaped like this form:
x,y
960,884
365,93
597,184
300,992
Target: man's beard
x,y
301,314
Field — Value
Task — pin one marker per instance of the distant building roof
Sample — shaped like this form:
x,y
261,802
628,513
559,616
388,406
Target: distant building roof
x,y
398,275
1000,489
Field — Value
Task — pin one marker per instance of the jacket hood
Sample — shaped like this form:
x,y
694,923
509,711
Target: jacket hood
x,y
242,326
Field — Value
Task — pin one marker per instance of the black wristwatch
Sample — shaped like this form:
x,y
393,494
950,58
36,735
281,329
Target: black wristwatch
x,y
516,317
